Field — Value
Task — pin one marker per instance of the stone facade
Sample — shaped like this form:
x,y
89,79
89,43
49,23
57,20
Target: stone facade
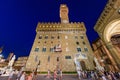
x,y
103,55
21,62
56,45
3,64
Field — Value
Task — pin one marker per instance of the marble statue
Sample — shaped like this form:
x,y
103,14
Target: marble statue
x,y
98,66
7,69
10,64
77,63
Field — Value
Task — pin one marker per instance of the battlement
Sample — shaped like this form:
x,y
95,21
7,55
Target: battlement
x,y
61,26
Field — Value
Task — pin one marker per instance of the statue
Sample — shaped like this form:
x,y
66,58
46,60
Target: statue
x,y
98,66
10,64
77,63
7,70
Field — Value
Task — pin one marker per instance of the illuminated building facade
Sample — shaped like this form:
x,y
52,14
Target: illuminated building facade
x,y
57,44
108,27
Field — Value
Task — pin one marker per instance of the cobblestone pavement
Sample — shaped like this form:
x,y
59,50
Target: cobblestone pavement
x,y
42,77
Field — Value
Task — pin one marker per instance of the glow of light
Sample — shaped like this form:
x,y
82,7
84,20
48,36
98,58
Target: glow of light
x,y
112,28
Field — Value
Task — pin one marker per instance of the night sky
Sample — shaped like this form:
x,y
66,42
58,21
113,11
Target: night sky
x,y
19,18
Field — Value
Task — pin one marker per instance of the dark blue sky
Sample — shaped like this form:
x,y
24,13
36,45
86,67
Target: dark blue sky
x,y
19,18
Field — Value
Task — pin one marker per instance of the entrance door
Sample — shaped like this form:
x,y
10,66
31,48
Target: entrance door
x,y
83,65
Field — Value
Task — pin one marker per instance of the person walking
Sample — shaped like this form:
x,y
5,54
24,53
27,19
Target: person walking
x,y
55,75
29,77
109,76
11,75
61,74
23,76
18,75
79,74
35,76
48,73
93,75
103,77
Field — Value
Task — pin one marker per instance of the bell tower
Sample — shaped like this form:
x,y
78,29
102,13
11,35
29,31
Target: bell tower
x,y
64,13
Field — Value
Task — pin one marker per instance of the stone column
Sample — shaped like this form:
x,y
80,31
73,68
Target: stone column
x,y
114,53
118,49
110,57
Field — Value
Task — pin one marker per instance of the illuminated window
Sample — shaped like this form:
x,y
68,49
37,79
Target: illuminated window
x,y
52,37
79,49
44,50
57,59
81,37
77,43
51,49
46,37
40,37
86,49
67,57
83,42
36,49
58,37
76,37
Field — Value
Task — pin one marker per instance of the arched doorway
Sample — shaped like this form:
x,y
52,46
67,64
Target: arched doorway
x,y
110,35
82,63
113,28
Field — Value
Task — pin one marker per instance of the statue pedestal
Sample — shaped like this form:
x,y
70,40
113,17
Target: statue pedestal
x,y
6,71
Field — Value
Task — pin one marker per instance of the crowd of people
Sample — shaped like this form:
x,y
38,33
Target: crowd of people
x,y
57,75
21,75
98,75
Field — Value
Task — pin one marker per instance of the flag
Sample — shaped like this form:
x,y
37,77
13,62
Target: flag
x,y
57,48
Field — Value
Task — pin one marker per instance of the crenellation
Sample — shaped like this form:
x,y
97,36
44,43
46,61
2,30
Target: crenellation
x,y
58,26
53,35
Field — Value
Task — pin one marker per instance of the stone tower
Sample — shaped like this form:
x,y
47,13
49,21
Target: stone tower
x,y
57,44
64,14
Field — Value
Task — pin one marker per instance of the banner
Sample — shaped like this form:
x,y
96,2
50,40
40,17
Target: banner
x,y
58,48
